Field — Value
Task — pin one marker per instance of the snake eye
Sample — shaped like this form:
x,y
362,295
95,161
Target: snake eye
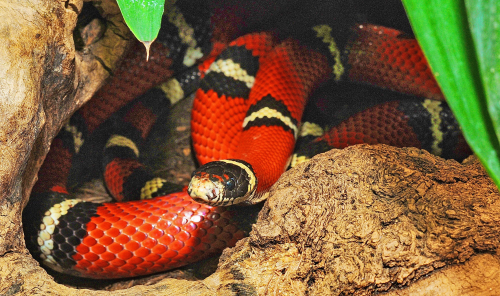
x,y
230,184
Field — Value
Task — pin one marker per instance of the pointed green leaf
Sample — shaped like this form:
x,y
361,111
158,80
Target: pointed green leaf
x,y
484,23
444,30
143,17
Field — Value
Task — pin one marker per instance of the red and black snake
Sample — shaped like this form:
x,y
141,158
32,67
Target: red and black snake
x,y
246,119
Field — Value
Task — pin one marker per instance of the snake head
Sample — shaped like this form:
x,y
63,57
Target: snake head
x,y
223,182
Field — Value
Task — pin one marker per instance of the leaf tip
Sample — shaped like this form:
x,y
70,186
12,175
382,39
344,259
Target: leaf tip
x,y
147,44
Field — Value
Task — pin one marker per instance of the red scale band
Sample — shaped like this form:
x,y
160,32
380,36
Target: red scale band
x,y
385,57
149,244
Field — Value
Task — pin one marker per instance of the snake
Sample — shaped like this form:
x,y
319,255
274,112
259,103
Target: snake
x,y
250,94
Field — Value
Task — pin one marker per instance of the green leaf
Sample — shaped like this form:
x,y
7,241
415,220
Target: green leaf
x,y
143,17
485,29
460,41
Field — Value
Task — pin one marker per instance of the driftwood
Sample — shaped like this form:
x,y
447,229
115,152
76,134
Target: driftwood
x,y
367,219
42,81
357,221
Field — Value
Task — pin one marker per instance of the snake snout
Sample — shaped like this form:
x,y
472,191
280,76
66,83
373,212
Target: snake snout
x,y
206,191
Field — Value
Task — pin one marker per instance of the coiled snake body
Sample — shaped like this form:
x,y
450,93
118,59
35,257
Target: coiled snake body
x,y
245,121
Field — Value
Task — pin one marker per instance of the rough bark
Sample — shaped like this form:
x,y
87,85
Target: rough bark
x,y
357,221
368,219
43,80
